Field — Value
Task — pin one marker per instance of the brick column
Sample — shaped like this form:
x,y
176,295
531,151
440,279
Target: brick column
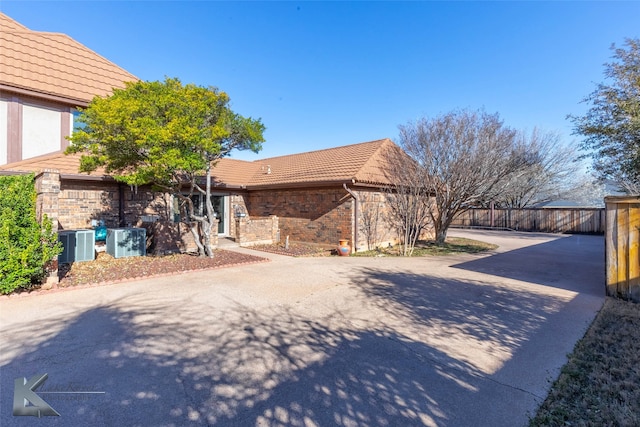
x,y
47,190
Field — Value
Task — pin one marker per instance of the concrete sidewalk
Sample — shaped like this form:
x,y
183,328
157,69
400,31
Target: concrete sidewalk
x,y
468,340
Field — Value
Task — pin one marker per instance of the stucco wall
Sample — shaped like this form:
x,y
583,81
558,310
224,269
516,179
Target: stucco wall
x,y
31,127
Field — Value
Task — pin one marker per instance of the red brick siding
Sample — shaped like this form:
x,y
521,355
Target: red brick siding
x,y
255,230
373,204
72,204
307,215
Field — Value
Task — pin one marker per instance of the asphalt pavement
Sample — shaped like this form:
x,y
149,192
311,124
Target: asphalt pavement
x,y
464,340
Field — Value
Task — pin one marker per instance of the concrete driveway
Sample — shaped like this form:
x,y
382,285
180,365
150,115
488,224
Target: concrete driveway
x,y
468,340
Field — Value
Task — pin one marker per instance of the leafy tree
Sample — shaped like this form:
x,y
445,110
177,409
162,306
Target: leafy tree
x,y
463,158
26,246
169,135
611,126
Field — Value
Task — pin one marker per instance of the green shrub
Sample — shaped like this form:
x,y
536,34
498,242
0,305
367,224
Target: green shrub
x,y
26,246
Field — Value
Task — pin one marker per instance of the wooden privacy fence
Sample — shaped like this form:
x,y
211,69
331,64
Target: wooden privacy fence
x,y
621,242
548,220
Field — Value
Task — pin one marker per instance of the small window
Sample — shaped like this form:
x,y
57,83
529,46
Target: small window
x,y
77,124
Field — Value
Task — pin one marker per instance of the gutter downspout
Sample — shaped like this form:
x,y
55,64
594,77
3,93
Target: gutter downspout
x,y
121,219
357,216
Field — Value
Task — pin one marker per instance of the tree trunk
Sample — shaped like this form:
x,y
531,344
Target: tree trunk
x,y
193,226
207,225
441,235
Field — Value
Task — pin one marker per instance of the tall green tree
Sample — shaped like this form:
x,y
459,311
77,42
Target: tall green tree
x,y
611,125
168,135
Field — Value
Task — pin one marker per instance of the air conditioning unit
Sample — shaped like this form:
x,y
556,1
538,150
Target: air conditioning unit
x,y
126,242
77,246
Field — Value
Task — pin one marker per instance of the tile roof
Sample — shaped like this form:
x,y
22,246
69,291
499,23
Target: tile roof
x,y
66,165
54,64
365,163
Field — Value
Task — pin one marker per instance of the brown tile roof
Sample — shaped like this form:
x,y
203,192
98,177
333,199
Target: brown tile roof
x,y
365,163
66,165
53,64
362,163
234,172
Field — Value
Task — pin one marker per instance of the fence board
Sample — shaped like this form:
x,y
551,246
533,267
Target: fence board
x,y
623,247
611,241
549,220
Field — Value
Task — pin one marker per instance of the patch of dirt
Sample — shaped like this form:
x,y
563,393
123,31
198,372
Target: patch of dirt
x,y
106,268
296,249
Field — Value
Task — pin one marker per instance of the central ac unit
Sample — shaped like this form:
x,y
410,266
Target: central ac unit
x,y
126,242
77,246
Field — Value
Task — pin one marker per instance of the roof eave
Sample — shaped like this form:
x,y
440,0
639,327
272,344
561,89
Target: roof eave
x,y
44,95
308,184
80,177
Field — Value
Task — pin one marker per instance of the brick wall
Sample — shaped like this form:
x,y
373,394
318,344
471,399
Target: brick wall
x,y
238,205
79,202
255,230
316,215
374,228
47,185
307,215
326,215
73,204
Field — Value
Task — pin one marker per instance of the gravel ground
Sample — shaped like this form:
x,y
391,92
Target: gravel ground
x,y
106,268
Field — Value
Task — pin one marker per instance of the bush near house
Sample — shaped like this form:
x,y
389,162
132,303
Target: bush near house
x,y
26,246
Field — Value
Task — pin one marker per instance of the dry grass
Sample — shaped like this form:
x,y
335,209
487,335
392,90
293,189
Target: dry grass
x,y
453,245
600,384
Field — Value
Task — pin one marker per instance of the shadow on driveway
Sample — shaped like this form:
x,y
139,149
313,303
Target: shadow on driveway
x,y
573,263
272,368
406,348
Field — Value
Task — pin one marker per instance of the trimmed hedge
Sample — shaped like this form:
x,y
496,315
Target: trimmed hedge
x,y
26,246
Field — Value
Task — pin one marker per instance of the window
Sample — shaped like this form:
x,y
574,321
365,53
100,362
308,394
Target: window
x,y
219,207
76,123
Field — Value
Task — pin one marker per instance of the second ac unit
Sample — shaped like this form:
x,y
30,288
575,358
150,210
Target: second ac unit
x,y
126,242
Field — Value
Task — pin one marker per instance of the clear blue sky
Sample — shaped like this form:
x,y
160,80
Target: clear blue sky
x,y
323,74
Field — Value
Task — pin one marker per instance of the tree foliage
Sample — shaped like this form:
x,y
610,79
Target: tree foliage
x,y
548,171
26,246
463,158
611,125
166,134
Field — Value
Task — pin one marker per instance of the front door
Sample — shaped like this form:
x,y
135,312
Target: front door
x,y
218,206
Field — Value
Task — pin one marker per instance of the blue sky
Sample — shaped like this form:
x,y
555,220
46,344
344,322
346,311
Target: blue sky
x,y
323,74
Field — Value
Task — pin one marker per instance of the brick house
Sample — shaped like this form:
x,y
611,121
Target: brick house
x,y
44,78
317,197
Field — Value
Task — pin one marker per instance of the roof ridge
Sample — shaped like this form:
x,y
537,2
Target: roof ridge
x,y
13,21
321,150
370,160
